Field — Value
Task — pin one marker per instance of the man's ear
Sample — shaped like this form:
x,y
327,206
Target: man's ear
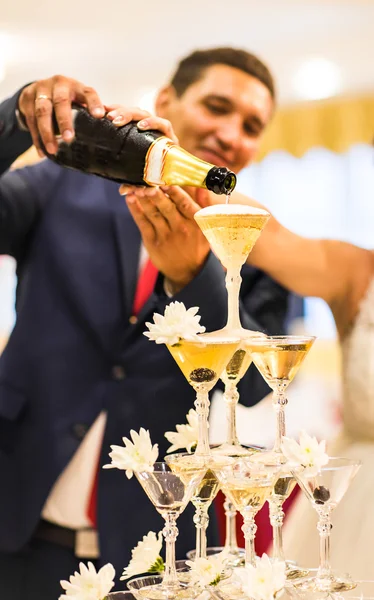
x,y
164,101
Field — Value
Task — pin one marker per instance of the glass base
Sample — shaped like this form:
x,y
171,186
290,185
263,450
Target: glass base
x,y
294,572
235,557
152,588
159,592
234,450
333,583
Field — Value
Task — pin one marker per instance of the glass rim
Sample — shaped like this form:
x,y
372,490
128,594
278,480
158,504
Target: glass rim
x,y
298,469
201,459
201,338
244,209
279,338
347,462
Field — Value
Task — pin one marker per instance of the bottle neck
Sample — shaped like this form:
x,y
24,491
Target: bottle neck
x,y
168,164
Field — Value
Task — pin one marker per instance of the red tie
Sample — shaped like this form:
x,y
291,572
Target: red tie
x,y
144,289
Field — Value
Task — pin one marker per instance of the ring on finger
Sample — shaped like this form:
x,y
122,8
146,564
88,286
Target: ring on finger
x,y
43,97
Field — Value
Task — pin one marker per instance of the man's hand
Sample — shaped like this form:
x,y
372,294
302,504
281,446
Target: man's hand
x,y
175,243
38,100
121,115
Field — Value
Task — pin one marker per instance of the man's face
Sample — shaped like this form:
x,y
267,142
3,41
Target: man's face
x,y
221,117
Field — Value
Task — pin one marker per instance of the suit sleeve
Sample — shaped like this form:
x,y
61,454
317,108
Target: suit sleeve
x,y
13,141
23,195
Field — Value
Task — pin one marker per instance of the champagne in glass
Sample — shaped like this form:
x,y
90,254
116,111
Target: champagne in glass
x,y
231,375
232,230
203,495
248,485
278,358
202,362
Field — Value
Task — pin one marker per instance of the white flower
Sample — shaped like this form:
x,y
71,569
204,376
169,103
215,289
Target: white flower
x,y
145,557
87,584
186,436
207,571
265,580
138,455
176,324
308,453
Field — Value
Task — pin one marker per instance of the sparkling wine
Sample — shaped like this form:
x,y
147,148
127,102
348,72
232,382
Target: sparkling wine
x,y
202,361
279,361
236,367
206,490
185,465
232,230
244,493
128,155
283,487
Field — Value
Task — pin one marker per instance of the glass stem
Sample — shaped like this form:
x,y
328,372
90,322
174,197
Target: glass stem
x,y
231,397
279,402
324,528
233,283
202,408
170,533
249,529
201,520
231,542
276,520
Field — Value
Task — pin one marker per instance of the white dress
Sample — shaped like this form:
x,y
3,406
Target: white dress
x,y
352,538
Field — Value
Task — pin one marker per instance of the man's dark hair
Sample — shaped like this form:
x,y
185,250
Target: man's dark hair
x,y
191,68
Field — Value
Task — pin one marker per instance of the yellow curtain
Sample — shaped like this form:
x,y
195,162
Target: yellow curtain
x,y
334,124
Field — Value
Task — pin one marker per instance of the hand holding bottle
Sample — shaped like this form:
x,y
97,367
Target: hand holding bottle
x,y
38,100
121,115
170,234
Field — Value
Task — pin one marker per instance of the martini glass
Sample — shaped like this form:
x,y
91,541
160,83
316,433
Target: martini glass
x,y
278,358
325,489
232,230
203,495
170,495
283,488
231,375
248,485
202,360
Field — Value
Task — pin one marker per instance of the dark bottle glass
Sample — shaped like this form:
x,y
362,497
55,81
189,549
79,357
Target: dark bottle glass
x,y
128,155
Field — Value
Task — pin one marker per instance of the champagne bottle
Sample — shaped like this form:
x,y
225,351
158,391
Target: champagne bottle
x,y
128,155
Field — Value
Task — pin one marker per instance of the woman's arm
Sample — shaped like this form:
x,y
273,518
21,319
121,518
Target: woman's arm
x,y
308,267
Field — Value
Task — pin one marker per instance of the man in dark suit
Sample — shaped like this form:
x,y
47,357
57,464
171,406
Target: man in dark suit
x,y
77,373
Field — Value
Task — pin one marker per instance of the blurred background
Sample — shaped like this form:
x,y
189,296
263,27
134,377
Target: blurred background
x,y
316,168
